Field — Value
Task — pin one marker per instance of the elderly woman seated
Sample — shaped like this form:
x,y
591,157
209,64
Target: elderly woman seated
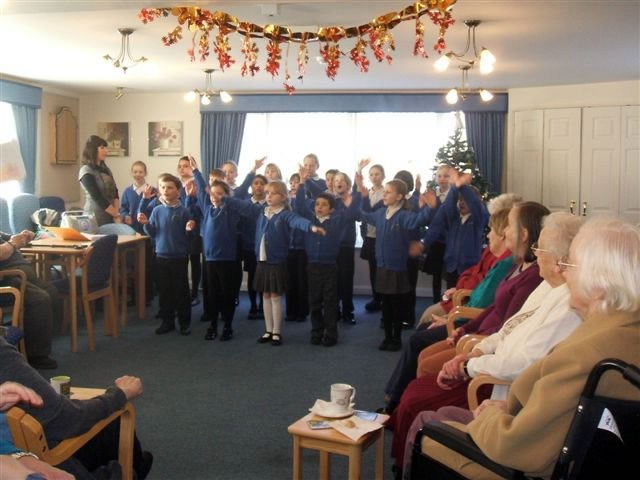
x,y
527,431
544,320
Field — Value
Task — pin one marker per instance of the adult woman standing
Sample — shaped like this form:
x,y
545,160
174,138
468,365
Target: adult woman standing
x,y
603,277
97,181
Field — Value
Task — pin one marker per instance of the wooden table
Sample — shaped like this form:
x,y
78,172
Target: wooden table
x,y
71,251
330,441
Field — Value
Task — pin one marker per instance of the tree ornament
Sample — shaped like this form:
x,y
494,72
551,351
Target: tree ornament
x,y
273,58
359,56
250,52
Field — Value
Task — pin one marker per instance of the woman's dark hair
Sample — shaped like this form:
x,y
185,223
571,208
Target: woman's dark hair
x,y
530,215
223,185
407,178
90,152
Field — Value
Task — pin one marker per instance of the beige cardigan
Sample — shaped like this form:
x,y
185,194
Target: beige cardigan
x,y
542,400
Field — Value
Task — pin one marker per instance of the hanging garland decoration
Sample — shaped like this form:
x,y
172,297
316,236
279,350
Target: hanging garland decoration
x,y
290,89
201,22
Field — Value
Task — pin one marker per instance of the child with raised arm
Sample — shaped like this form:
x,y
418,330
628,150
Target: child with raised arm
x,y
170,225
219,233
273,231
297,295
393,235
461,222
322,253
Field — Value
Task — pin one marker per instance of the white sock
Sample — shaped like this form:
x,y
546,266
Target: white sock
x,y
268,315
276,305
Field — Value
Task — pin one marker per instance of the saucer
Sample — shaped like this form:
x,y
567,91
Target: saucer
x,y
332,413
328,410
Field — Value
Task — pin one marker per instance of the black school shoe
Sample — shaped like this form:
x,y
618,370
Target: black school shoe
x,y
43,362
349,319
211,334
165,328
329,342
185,330
227,334
276,339
316,340
253,314
373,306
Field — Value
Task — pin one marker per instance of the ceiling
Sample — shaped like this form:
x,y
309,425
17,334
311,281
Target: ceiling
x,y
536,43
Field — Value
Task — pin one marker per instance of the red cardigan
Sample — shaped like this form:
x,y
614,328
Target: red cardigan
x,y
472,276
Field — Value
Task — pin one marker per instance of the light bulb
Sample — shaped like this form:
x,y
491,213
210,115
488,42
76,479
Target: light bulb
x,y
486,95
190,96
442,63
487,57
452,96
225,96
486,68
205,100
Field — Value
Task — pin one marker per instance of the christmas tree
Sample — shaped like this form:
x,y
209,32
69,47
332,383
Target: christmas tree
x,y
459,155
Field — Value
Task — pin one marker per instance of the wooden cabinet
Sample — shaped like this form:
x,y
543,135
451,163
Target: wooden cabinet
x,y
583,160
63,138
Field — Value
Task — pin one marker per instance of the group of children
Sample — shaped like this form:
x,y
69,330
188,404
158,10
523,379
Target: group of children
x,y
299,242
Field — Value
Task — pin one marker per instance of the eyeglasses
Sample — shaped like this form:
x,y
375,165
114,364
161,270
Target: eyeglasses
x,y
536,249
565,264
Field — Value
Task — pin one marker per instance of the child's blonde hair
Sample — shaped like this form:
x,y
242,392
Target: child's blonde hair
x,y
278,186
274,166
139,163
401,188
345,176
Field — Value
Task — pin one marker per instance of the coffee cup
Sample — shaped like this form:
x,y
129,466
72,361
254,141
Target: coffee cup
x,y
61,384
342,395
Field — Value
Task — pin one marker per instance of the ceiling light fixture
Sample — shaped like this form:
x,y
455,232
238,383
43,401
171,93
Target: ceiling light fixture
x,y
481,57
208,92
125,60
463,91
119,92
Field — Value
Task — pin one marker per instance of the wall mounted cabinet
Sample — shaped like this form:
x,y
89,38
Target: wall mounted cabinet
x,y
63,138
582,160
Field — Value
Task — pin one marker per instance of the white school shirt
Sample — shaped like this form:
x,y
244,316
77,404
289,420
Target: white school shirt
x,y
374,197
139,190
544,320
268,212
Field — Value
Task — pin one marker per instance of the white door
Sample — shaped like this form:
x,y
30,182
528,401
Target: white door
x,y
600,168
525,164
630,165
561,159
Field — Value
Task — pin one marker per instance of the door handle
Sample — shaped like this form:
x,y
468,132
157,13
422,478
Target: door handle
x,y
571,205
584,209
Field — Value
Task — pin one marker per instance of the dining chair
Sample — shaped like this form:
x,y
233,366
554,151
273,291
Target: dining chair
x,y
94,281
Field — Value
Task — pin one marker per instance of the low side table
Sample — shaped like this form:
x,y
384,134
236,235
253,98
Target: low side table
x,y
330,441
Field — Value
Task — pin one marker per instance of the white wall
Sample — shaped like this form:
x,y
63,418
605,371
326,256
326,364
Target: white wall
x,y
139,109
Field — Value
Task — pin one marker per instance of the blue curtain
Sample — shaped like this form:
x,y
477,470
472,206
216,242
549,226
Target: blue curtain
x,y
220,138
485,133
26,119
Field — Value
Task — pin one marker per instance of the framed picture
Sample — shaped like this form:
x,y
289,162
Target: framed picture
x,y
165,139
116,135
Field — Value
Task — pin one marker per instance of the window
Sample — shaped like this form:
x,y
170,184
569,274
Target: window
x,y
397,141
8,140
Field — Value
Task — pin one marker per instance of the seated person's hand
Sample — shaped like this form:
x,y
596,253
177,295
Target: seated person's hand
x,y
28,465
451,339
131,386
449,293
12,393
437,321
452,367
501,404
445,382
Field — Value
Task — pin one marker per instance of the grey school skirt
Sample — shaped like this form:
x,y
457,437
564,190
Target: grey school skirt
x,y
270,278
391,282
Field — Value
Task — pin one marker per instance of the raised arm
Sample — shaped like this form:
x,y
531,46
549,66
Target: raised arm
x,y
244,208
242,191
303,206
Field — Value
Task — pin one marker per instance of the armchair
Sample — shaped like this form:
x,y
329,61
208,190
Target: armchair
x,y
461,312
29,435
587,448
459,296
17,290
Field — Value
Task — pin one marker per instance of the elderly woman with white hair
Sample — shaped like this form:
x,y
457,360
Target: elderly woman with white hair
x,y
527,431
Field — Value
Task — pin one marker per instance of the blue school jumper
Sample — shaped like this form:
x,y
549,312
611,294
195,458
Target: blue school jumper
x,y
276,230
166,226
129,203
463,240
